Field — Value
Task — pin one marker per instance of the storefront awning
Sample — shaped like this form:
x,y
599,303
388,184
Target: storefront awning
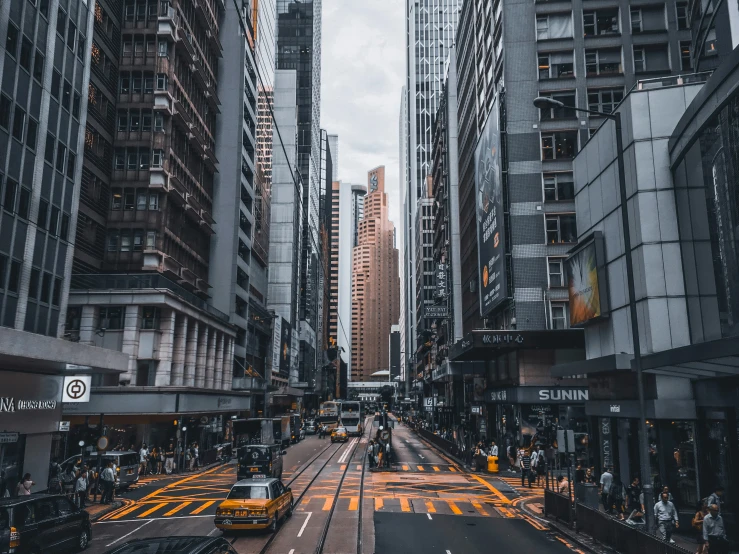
x,y
718,358
482,344
604,364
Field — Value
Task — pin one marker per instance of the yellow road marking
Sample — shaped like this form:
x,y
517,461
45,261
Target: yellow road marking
x,y
176,483
492,489
430,507
177,509
125,512
203,507
306,500
359,467
451,468
480,508
353,503
343,467
378,503
420,468
505,511
404,505
154,509
436,468
327,504
405,467
454,507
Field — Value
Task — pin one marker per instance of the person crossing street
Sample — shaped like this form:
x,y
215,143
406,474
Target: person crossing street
x,y
107,478
666,516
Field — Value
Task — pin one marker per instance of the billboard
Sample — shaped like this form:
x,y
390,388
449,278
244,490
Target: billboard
x,y
490,224
587,282
285,346
276,344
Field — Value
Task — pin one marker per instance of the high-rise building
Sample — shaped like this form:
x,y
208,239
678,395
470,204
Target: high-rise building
x,y
299,48
407,322
333,143
45,75
324,280
425,285
375,283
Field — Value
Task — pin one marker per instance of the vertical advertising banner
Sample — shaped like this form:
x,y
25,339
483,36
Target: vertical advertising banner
x,y
285,345
276,344
490,225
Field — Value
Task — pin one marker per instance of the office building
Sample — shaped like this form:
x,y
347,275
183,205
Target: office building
x,y
375,284
425,284
325,372
298,39
333,143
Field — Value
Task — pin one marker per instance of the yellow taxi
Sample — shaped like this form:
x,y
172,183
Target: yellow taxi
x,y
254,504
339,435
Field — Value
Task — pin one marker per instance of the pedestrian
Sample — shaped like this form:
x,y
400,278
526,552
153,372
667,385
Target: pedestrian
x,y
380,456
697,524
588,477
564,485
169,455
80,488
153,460
606,480
714,532
24,486
160,460
371,453
716,497
512,458
68,479
666,516
196,455
477,456
493,448
525,467
55,482
616,500
107,479
4,493
143,456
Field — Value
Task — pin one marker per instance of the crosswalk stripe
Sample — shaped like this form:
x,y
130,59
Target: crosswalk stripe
x,y
451,468
154,509
405,505
480,508
430,508
125,512
420,468
327,504
177,509
436,468
203,507
343,467
405,467
379,503
353,503
453,507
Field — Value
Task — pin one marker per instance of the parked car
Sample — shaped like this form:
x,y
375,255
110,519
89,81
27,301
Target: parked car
x,y
260,461
339,435
311,428
178,545
42,523
254,504
126,466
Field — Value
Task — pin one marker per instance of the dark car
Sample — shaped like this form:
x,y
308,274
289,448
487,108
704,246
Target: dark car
x,y
42,523
175,545
260,461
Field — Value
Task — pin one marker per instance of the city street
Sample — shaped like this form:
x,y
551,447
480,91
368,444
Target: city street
x,y
426,504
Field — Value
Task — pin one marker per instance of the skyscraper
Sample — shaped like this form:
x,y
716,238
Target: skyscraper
x,y
299,48
375,283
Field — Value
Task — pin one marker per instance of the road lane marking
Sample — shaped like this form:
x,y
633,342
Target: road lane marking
x,y
300,533
404,505
203,507
359,467
505,512
176,483
430,507
125,512
292,551
492,489
405,467
479,508
327,504
436,468
177,509
454,508
343,467
215,529
451,468
429,516
420,468
448,552
379,503
127,534
154,509
353,503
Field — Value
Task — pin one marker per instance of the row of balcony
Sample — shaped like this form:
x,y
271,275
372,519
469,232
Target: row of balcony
x,y
170,184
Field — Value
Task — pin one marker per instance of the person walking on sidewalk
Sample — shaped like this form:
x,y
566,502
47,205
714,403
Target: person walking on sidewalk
x,y
697,524
24,486
714,532
606,480
107,478
169,455
716,497
143,456
666,516
80,489
525,467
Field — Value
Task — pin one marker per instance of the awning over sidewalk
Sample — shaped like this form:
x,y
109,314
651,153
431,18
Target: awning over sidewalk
x,y
718,358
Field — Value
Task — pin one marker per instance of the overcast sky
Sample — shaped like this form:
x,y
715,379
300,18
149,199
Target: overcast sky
x,y
363,71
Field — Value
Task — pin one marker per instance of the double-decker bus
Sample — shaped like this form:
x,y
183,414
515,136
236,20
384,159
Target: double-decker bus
x,y
351,417
328,414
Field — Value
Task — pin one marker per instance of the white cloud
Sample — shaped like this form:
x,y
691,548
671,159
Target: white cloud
x,y
362,72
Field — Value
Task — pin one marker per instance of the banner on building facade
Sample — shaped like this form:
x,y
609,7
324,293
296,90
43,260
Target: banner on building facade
x,y
276,344
587,282
441,281
285,344
490,223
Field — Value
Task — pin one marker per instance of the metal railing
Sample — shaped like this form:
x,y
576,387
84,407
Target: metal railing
x,y
558,506
443,444
671,81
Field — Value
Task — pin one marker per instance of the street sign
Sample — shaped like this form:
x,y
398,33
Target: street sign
x,y
566,441
63,426
436,312
7,438
76,388
476,410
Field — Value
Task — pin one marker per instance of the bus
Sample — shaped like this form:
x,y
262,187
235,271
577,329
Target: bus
x,y
351,417
328,414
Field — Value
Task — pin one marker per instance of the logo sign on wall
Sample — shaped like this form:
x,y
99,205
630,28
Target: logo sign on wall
x,y
76,388
587,285
490,225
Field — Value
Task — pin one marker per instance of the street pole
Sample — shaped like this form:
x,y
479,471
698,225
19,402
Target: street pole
x,y
644,464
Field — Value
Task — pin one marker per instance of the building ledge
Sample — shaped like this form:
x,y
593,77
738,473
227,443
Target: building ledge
x,y
604,364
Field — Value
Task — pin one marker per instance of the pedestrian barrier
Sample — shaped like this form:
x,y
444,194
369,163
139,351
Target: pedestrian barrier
x,y
558,506
442,444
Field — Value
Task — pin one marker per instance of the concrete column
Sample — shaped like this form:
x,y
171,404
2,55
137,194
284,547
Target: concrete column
x,y
210,360
228,366
178,351
130,344
166,347
191,350
87,325
218,365
202,356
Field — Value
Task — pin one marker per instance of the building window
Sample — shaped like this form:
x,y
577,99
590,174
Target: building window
x,y
651,58
561,228
711,48
157,158
122,121
125,240
567,98
558,187
603,62
150,316
640,60
556,272
38,66
117,198
31,133
146,121
61,155
25,57
6,105
11,191
56,294
113,241
636,20
558,315
46,287
601,22
49,152
556,65
158,122
151,240
33,283
110,318
558,145
163,49
683,20
74,318
161,81
138,240
43,214
154,201
19,123
11,41
686,55
554,26
128,199
605,99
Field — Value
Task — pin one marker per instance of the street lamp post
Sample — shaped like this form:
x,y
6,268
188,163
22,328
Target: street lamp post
x,y
646,473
